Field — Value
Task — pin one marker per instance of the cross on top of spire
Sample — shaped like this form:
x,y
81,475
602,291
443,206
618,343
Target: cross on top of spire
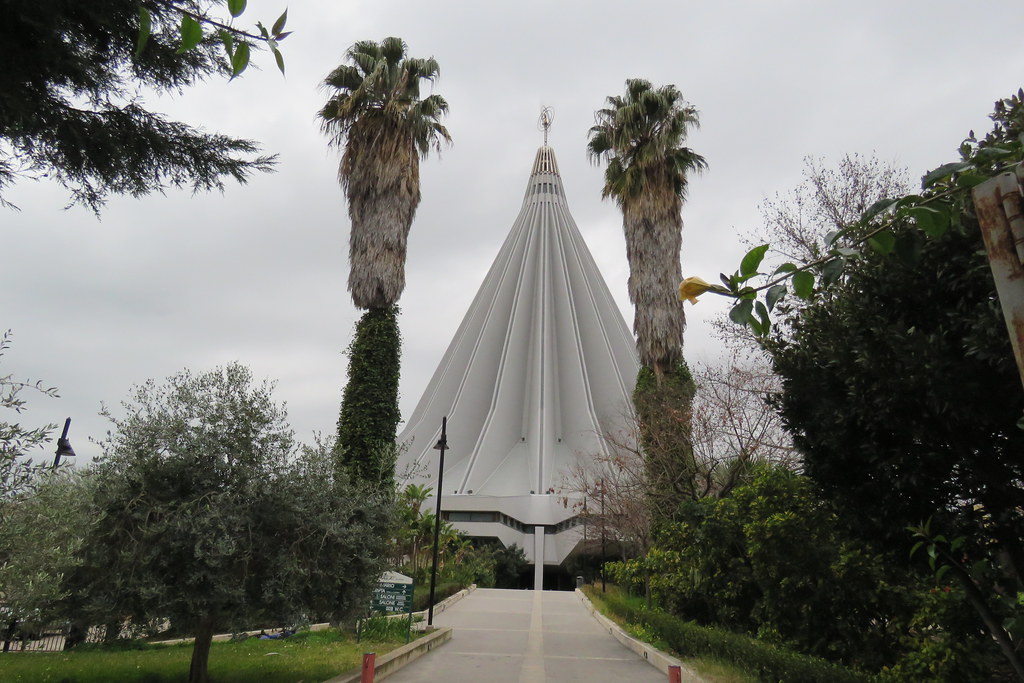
x,y
547,115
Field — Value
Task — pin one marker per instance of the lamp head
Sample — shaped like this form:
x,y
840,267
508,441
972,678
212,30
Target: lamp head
x,y
64,448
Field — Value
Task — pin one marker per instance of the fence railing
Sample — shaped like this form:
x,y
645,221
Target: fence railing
x,y
49,638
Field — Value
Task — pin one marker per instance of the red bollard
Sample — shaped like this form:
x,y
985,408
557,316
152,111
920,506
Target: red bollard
x,y
369,667
675,674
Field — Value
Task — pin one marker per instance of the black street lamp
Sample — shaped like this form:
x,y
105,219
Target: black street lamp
x,y
442,445
602,537
63,445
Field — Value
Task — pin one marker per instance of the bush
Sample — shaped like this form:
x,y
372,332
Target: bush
x,y
468,566
421,599
509,563
769,560
761,660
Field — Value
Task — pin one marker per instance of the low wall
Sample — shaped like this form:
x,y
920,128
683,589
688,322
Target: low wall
x,y
395,660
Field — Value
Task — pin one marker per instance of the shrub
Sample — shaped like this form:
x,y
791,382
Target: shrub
x,y
764,661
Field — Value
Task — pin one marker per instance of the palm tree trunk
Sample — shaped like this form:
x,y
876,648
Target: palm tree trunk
x,y
380,174
653,231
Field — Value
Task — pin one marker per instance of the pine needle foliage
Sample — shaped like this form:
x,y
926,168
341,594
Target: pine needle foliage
x,y
640,136
377,115
368,424
71,105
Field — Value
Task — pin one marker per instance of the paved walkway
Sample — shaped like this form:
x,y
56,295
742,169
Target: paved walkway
x,y
510,636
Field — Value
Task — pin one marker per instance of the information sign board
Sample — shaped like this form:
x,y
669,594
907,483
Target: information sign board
x,y
392,597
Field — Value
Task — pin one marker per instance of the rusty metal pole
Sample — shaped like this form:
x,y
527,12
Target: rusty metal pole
x,y
675,674
369,667
997,202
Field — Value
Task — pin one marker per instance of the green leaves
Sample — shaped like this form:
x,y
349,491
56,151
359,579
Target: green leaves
x,y
240,60
191,33
890,225
278,58
932,220
883,242
229,42
279,25
944,171
908,248
369,405
145,29
832,270
941,551
741,312
877,208
236,42
775,292
753,313
803,284
752,260
276,37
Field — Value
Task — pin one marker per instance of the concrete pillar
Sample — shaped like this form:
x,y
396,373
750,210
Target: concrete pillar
x,y
538,558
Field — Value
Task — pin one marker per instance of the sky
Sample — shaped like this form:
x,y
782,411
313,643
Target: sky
x,y
258,274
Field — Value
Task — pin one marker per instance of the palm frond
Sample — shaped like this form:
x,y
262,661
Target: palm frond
x,y
376,114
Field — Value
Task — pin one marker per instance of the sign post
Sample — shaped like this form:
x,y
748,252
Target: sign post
x,y
394,594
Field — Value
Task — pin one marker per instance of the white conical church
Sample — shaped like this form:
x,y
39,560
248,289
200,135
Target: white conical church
x,y
542,364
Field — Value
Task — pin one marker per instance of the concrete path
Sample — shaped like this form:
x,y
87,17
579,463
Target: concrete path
x,y
510,636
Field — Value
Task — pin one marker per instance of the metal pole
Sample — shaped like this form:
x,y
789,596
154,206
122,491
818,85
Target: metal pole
x,y
602,537
585,515
997,201
369,667
442,445
62,443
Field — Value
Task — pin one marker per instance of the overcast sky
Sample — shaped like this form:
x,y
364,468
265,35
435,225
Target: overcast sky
x,y
258,274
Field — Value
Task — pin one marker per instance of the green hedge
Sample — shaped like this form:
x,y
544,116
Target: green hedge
x,y
759,659
421,598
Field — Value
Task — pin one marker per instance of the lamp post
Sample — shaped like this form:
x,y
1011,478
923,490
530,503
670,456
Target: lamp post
x,y
63,445
602,537
442,445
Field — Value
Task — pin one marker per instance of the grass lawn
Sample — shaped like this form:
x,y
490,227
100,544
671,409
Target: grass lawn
x,y
307,657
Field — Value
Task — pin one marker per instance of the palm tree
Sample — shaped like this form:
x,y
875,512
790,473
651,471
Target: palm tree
x,y
414,496
640,136
376,114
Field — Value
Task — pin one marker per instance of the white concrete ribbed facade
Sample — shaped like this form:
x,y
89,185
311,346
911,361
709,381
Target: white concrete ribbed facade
x,y
540,366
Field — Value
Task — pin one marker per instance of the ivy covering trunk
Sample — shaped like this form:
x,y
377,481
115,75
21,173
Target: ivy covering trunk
x,y
369,417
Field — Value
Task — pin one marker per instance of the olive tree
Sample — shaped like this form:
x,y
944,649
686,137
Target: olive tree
x,y
206,514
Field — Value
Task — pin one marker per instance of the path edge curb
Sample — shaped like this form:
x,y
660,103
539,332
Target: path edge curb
x,y
658,659
401,657
443,605
398,658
